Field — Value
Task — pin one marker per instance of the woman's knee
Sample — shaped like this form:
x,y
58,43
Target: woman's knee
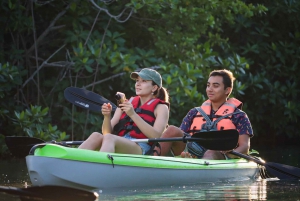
x,y
93,142
108,137
96,136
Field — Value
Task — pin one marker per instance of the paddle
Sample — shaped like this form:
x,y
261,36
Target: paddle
x,y
56,193
275,169
214,140
20,146
86,99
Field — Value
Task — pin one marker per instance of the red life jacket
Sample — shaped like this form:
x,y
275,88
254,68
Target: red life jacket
x,y
146,112
221,120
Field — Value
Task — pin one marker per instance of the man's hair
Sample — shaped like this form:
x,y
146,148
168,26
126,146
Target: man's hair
x,y
228,77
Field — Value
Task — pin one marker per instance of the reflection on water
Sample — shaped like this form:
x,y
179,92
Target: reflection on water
x,y
254,190
14,173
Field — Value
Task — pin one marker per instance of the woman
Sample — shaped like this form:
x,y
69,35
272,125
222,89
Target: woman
x,y
143,116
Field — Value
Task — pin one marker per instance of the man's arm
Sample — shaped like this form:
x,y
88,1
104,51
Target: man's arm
x,y
244,145
244,127
188,120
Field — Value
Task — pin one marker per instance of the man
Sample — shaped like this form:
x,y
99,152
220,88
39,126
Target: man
x,y
219,87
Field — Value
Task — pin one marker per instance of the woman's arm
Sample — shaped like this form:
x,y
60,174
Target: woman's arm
x,y
108,123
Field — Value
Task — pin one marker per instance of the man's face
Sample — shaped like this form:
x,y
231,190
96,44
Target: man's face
x,y
215,89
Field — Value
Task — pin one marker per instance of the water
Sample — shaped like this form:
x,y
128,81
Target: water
x,y
256,190
14,173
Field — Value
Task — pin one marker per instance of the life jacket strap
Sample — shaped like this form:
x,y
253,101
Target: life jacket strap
x,y
212,125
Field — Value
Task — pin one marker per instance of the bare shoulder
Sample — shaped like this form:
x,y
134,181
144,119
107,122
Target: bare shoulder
x,y
163,107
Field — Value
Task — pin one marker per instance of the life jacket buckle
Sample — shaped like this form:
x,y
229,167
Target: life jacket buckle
x,y
129,127
209,126
138,110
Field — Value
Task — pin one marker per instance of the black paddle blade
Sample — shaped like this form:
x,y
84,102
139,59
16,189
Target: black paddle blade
x,y
86,99
56,193
274,169
217,140
282,171
20,146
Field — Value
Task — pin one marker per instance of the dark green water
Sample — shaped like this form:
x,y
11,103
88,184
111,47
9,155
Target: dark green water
x,y
14,173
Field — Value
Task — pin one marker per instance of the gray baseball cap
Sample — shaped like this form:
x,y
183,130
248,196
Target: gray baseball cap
x,y
148,74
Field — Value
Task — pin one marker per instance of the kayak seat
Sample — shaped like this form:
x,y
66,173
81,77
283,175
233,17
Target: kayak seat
x,y
152,149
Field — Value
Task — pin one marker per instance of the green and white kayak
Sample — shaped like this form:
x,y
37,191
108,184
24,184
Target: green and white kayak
x,y
52,164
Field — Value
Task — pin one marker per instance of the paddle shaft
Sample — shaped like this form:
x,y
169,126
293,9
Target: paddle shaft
x,y
214,140
247,157
70,142
280,171
174,139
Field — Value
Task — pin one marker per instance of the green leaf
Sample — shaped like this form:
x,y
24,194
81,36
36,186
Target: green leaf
x,y
88,68
22,115
73,6
169,79
44,111
85,60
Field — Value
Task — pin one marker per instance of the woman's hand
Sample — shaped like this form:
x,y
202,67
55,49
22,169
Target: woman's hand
x,y
106,109
127,107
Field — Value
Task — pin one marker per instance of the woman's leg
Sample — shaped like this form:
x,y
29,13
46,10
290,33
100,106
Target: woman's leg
x,y
116,144
93,142
177,147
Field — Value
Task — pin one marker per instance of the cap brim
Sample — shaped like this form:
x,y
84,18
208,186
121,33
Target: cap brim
x,y
134,75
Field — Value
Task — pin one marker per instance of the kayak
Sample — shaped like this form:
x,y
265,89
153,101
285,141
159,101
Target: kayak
x,y
52,164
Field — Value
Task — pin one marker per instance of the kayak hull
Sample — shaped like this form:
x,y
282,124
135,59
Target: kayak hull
x,y
91,170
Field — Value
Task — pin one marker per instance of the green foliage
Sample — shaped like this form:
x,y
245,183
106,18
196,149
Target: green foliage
x,y
35,123
74,44
10,78
83,122
3,147
271,44
187,34
179,26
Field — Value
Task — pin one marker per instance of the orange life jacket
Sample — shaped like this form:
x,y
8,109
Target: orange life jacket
x,y
221,120
146,112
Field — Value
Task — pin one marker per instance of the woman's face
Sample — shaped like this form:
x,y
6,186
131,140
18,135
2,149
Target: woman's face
x,y
144,87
